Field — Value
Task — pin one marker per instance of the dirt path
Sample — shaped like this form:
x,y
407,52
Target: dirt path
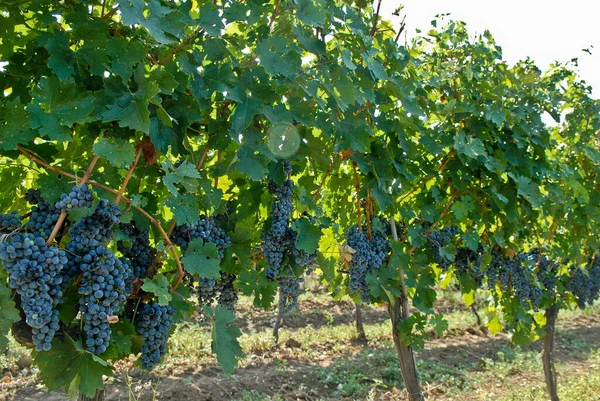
x,y
284,371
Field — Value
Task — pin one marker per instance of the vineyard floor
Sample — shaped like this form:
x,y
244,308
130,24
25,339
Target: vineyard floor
x,y
317,358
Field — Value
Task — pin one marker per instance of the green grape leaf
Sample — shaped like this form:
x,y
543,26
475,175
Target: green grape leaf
x,y
118,152
164,23
468,146
212,195
130,109
159,286
202,259
52,187
244,113
186,174
70,366
183,307
9,314
14,125
210,19
225,338
120,340
376,68
184,208
310,13
61,56
251,163
308,237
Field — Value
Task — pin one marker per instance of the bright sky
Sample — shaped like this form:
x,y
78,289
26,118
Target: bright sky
x,y
545,31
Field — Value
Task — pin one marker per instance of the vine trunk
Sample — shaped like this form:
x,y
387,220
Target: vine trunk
x,y
548,354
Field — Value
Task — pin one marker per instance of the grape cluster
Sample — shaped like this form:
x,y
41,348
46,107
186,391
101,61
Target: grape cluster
x,y
228,296
140,254
105,278
546,270
209,289
515,277
43,216
206,229
33,196
289,291
79,197
35,273
278,239
287,167
10,222
585,286
468,262
153,324
220,289
368,257
103,293
438,239
89,233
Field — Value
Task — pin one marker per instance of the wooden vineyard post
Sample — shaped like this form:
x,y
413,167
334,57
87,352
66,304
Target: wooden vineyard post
x,y
548,353
399,311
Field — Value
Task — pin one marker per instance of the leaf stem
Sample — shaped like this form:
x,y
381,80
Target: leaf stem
x,y
357,186
138,153
63,215
316,194
177,48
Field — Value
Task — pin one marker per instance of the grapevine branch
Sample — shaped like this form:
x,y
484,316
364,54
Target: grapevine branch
x,y
177,48
442,168
274,14
316,194
153,220
357,185
375,19
63,215
128,176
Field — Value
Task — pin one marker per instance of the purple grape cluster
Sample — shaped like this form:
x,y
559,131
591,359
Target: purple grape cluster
x,y
103,293
368,257
206,229
35,273
438,239
140,254
104,283
585,286
278,238
79,197
289,291
10,222
514,277
153,324
43,216
89,233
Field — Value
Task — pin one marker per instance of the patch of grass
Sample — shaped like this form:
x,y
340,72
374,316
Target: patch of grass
x,y
257,396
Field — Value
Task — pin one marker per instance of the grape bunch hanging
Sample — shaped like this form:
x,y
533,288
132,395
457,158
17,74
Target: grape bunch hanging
x,y
220,289
279,243
367,256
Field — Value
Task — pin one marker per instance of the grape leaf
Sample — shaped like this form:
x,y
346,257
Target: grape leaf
x,y
183,308
14,125
202,259
308,237
159,286
225,338
118,152
255,165
8,314
70,366
244,113
120,340
184,208
186,174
